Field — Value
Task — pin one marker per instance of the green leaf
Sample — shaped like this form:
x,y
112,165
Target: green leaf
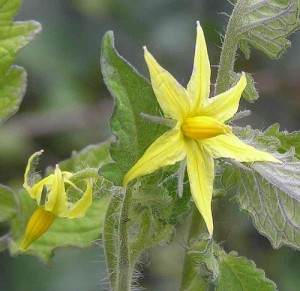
x,y
269,192
266,25
240,274
93,156
12,90
13,37
287,140
223,271
201,253
133,95
249,94
81,232
8,203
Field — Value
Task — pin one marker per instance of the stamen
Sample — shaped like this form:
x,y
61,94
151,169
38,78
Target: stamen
x,y
202,127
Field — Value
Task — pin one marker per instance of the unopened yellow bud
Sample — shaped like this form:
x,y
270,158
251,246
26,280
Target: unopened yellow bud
x,y
201,127
38,224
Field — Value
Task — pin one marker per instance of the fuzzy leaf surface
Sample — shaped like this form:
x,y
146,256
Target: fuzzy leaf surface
x,y
224,271
133,95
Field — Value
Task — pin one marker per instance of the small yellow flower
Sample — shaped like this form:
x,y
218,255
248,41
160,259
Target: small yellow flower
x,y
51,197
200,134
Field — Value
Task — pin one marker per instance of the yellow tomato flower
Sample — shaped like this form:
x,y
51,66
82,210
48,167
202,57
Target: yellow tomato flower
x,y
200,134
51,197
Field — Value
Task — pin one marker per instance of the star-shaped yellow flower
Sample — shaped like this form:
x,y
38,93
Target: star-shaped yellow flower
x,y
200,134
53,202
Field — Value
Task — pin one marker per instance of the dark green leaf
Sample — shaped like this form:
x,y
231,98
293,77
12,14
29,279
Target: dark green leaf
x,y
133,95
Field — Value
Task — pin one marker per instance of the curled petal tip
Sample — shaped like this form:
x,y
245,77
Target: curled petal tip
x,y
144,48
198,23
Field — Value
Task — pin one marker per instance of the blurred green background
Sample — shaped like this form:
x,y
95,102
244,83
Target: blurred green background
x,y
67,107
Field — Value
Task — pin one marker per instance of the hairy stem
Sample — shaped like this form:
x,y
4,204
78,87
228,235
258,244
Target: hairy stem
x,y
108,237
124,268
115,242
229,48
196,225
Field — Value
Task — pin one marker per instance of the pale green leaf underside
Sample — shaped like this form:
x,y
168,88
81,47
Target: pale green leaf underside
x,y
266,24
133,95
275,214
240,274
270,193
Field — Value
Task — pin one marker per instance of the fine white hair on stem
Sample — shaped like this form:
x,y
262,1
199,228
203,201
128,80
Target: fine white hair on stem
x,y
180,177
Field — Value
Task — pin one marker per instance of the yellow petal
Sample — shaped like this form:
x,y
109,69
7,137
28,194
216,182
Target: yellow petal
x,y
29,176
57,198
199,84
80,207
200,167
230,146
171,96
225,105
38,224
37,189
166,150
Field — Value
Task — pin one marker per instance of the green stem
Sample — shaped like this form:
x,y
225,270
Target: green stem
x,y
196,226
109,236
229,48
124,269
115,242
